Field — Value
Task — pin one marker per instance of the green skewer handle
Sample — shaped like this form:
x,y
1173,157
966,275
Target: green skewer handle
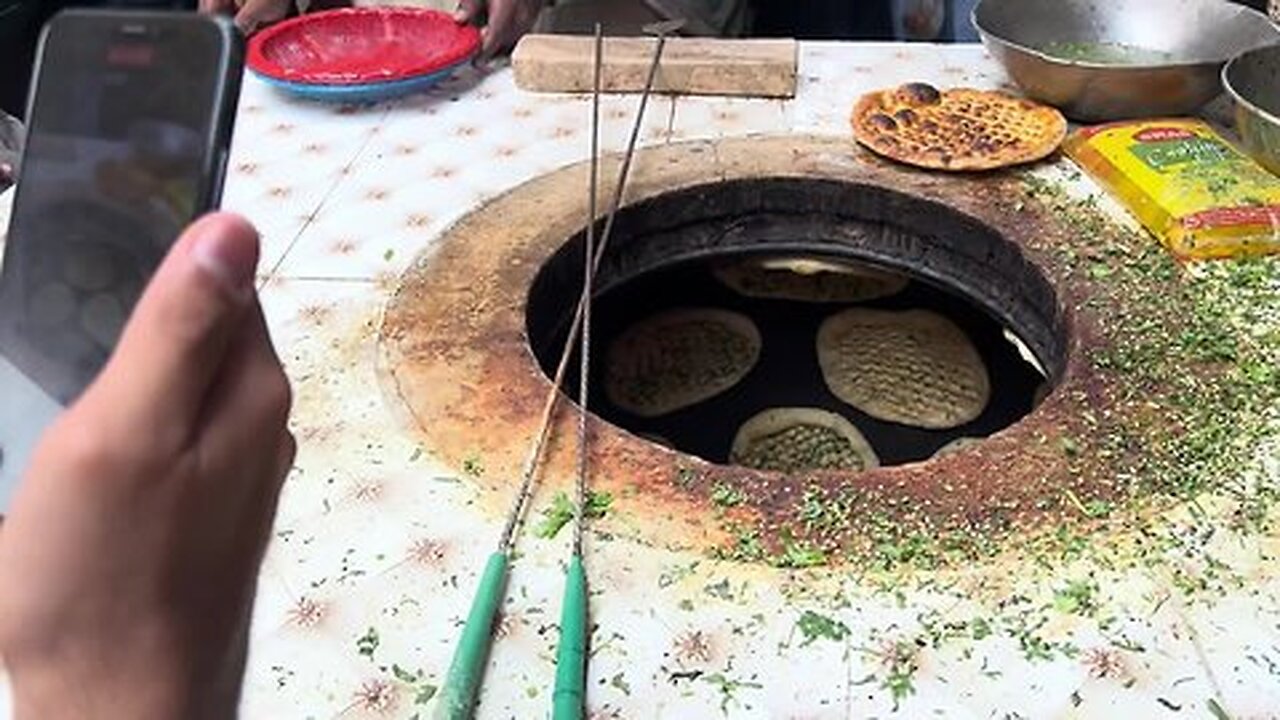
x,y
569,698
462,684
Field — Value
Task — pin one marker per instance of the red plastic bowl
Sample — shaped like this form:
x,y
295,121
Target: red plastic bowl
x,y
356,46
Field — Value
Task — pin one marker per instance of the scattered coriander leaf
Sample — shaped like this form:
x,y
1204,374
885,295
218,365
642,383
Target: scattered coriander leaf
x,y
368,643
813,627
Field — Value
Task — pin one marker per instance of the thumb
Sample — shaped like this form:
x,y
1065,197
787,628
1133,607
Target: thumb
x,y
175,341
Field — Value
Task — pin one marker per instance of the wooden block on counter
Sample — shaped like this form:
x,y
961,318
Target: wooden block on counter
x,y
690,66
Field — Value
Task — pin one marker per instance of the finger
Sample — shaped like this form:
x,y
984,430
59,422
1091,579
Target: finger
x,y
245,434
269,496
173,346
286,453
254,14
251,400
285,457
468,11
498,29
265,498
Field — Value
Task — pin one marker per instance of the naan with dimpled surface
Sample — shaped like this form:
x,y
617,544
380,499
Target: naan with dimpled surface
x,y
960,129
912,367
679,358
799,440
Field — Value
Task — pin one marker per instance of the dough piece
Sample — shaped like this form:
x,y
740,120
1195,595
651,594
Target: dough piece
x,y
808,279
913,367
801,439
1024,352
956,446
960,129
679,358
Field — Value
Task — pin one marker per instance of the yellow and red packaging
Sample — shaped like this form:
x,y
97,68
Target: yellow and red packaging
x,y
1202,197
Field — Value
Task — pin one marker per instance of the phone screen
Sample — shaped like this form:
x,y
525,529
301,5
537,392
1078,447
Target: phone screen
x,y
127,134
116,164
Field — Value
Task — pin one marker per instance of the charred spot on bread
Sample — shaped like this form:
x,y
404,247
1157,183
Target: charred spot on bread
x,y
920,93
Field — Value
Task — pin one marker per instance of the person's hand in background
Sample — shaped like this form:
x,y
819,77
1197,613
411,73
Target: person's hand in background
x,y
128,562
507,22
11,136
250,15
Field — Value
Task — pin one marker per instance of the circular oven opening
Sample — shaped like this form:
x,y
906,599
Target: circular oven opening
x,y
805,324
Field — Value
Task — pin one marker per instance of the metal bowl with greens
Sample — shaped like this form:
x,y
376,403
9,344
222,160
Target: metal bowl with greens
x,y
1120,59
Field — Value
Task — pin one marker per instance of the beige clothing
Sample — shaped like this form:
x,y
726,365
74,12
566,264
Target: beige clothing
x,y
706,17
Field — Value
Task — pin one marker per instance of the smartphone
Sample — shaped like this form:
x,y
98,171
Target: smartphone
x,y
129,126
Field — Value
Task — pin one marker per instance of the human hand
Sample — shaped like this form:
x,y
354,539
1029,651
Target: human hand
x,y
250,15
508,21
129,558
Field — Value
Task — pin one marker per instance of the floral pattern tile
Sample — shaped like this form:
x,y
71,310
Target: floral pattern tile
x,y
289,155
441,154
699,118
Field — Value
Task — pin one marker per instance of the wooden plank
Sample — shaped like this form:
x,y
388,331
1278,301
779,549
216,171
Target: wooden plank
x,y
690,66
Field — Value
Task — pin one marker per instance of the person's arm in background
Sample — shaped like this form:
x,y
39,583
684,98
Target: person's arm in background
x,y
128,562
249,15
253,15
11,132
506,21
20,23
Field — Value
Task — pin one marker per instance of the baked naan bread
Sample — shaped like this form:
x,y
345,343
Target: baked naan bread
x,y
679,358
913,367
801,439
808,279
960,129
956,446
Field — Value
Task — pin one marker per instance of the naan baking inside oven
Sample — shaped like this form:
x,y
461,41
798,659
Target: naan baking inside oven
x,y
800,439
913,367
808,279
679,358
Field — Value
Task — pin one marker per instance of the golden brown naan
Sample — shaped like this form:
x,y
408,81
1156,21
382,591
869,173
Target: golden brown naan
x,y
913,367
960,129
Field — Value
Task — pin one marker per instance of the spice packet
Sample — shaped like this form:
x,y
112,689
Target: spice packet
x,y
1195,191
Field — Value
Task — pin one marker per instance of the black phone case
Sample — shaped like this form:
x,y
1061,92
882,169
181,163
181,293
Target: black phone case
x,y
227,91
215,147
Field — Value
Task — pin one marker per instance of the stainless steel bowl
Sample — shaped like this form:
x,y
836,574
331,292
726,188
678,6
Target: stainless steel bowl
x,y
1253,80
1186,41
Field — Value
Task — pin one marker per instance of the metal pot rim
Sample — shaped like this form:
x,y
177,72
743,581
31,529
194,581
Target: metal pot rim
x,y
989,35
1235,94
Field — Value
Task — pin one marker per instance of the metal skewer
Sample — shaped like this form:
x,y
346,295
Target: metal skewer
x,y
466,671
569,695
568,699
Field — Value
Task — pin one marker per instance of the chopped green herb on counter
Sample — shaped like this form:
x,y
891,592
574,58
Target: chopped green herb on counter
x,y
561,512
814,627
